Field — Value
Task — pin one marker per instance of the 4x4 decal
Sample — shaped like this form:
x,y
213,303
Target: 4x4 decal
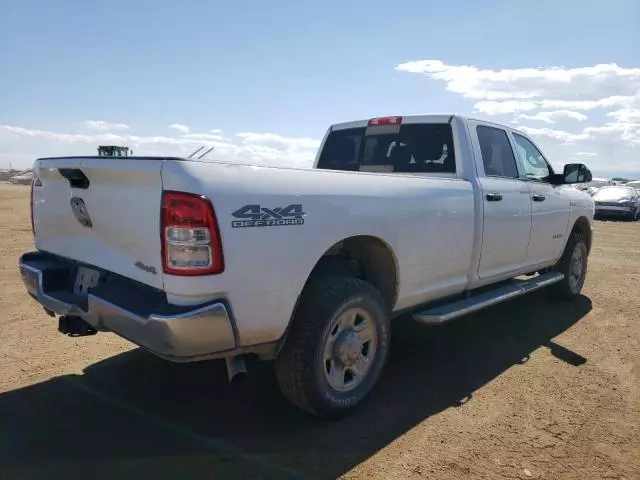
x,y
258,216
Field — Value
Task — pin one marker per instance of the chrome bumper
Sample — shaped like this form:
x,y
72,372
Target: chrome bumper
x,y
132,310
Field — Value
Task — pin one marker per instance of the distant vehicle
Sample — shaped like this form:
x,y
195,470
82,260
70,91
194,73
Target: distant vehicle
x,y
113,151
23,179
593,186
635,184
197,260
620,200
620,181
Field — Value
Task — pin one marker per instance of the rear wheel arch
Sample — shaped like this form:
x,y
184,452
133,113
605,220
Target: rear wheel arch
x,y
365,257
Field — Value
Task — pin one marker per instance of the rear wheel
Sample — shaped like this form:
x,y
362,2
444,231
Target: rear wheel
x,y
337,346
573,264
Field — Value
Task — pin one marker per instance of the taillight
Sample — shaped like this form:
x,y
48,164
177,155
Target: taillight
x,y
37,183
191,242
376,122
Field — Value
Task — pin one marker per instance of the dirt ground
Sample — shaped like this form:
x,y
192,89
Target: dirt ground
x,y
528,389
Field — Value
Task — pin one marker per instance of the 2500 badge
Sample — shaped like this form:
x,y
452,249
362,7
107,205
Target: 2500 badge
x,y
257,216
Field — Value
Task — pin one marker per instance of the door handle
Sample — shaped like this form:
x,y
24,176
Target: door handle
x,y
538,198
494,197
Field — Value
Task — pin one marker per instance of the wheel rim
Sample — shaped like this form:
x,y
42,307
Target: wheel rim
x,y
576,269
349,349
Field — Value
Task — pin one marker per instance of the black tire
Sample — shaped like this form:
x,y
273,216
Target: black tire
x,y
300,366
568,288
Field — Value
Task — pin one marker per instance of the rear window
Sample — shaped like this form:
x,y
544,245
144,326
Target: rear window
x,y
412,148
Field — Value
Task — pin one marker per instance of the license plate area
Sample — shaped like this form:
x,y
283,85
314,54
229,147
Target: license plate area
x,y
610,207
86,278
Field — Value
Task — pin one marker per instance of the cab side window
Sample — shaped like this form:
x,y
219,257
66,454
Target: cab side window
x,y
497,155
341,150
424,148
535,166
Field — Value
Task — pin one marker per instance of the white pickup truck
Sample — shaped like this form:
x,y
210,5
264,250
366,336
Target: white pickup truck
x,y
433,216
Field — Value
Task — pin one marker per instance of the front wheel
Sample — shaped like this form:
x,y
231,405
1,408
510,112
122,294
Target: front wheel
x,y
337,346
573,264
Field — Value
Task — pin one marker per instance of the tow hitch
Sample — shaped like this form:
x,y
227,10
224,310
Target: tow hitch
x,y
75,326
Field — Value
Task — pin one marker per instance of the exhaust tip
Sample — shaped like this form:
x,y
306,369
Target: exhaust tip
x,y
236,368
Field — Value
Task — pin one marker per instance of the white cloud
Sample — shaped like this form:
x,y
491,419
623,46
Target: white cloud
x,y
104,126
22,146
557,96
515,106
585,154
203,137
179,127
630,113
553,115
525,83
275,139
509,106
559,135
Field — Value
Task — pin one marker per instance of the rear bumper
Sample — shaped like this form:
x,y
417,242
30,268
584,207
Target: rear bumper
x,y
132,310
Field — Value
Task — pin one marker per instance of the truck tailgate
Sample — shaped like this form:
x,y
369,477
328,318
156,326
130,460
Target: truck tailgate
x,y
103,212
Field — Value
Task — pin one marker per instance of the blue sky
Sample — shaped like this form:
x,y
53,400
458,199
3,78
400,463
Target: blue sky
x,y
278,73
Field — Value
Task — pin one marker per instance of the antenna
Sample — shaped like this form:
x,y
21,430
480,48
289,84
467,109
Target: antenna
x,y
206,152
195,152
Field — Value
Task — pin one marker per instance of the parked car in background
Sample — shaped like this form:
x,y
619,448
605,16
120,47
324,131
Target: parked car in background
x,y
594,185
635,184
619,200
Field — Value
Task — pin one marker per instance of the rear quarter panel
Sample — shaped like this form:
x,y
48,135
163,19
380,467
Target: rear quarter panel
x,y
427,223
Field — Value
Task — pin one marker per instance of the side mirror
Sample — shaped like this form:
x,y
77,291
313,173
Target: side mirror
x,y
576,173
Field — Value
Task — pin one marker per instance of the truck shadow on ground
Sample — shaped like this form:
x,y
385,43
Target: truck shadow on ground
x,y
133,415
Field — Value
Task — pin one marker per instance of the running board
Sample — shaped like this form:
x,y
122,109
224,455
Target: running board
x,y
513,289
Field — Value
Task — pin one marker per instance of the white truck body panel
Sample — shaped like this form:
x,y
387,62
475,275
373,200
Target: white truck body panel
x,y
445,237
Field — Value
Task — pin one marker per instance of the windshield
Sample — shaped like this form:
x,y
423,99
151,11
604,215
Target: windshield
x,y
614,193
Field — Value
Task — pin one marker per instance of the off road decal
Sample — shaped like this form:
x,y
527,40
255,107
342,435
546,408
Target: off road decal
x,y
258,216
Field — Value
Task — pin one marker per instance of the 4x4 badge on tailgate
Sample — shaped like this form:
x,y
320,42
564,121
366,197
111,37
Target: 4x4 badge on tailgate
x,y
80,211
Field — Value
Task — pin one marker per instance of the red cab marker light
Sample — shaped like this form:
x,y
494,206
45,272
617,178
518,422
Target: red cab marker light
x,y
376,122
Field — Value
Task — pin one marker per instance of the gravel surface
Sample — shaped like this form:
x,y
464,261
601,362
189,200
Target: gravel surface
x,y
528,389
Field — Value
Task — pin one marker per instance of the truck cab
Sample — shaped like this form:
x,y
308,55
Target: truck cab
x,y
522,208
